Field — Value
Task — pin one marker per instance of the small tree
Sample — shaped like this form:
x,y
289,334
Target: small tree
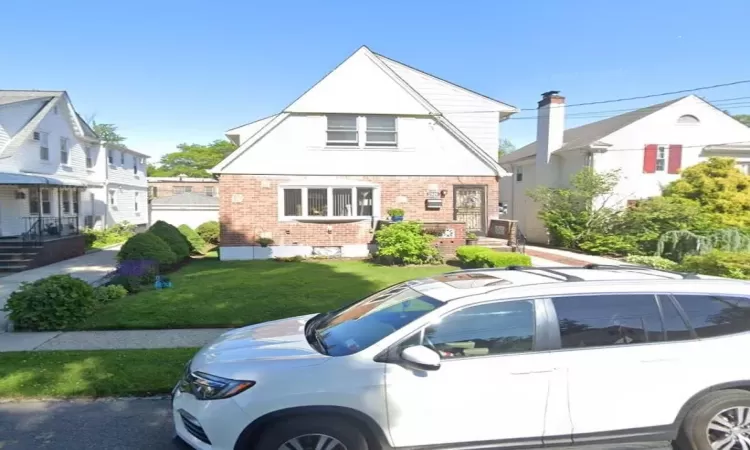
x,y
575,214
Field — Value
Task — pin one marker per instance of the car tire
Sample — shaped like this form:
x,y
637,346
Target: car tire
x,y
693,434
305,428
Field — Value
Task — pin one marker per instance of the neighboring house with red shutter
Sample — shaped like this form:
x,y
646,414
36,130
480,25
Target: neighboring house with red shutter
x,y
373,134
649,147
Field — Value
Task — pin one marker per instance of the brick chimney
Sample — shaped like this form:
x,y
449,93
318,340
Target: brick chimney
x,y
550,126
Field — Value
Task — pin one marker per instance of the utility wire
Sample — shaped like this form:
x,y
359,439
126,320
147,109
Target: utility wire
x,y
642,148
606,114
625,99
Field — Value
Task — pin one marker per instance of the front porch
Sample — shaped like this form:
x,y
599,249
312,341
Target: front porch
x,y
40,220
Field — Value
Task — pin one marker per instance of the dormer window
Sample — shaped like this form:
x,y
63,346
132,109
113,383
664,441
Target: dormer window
x,y
342,131
381,131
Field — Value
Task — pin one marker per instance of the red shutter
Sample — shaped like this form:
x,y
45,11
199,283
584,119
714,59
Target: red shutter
x,y
649,159
675,159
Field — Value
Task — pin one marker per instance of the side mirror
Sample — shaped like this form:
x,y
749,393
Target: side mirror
x,y
421,357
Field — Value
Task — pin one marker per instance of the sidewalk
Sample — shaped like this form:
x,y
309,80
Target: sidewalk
x,y
567,258
107,340
90,268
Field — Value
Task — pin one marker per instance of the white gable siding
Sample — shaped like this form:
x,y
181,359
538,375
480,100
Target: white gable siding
x,y
661,127
358,85
297,147
481,127
241,134
57,126
120,173
124,207
14,116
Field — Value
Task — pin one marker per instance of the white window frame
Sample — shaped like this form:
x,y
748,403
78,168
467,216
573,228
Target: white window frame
x,y
43,138
135,201
209,191
329,217
381,144
518,176
122,159
89,158
111,157
64,151
65,201
664,149
343,143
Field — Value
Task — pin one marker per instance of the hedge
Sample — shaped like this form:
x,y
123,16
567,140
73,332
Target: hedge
x,y
209,231
197,244
147,247
172,236
720,264
52,303
472,256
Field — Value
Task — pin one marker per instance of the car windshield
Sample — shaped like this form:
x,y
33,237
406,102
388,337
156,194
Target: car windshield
x,y
370,320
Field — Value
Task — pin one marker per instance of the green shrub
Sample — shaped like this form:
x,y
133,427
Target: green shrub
x,y
52,303
197,244
147,247
113,235
296,258
396,212
264,242
719,263
172,236
209,231
472,256
405,243
656,262
607,244
106,294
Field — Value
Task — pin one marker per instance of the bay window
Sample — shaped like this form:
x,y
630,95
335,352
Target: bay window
x,y
321,202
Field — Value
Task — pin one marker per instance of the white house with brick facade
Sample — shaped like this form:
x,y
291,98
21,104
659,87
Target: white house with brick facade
x,y
373,134
56,177
648,146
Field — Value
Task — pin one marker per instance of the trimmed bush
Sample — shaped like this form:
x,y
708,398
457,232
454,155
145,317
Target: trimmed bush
x,y
52,303
106,294
197,244
472,256
209,231
172,236
147,247
657,262
405,243
720,264
113,235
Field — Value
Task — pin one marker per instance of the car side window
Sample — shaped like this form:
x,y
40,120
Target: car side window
x,y
675,327
716,315
489,329
608,319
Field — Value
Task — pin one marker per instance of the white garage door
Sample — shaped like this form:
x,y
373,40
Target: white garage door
x,y
191,218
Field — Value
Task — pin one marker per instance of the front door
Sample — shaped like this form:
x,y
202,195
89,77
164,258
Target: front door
x,y
492,385
470,207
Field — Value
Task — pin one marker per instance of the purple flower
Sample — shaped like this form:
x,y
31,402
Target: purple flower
x,y
136,268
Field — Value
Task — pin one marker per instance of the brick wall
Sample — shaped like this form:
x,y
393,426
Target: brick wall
x,y
243,222
166,188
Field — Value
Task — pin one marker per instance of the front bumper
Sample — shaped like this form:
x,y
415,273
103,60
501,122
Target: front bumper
x,y
219,422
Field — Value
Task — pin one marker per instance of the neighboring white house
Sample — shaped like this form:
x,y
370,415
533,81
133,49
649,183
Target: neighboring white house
x,y
373,134
55,175
648,146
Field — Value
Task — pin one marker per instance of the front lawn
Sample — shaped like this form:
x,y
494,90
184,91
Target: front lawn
x,y
92,373
209,293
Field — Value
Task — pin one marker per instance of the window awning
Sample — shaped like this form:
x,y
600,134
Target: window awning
x,y
17,179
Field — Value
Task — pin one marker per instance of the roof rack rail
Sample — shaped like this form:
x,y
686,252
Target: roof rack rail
x,y
684,275
550,270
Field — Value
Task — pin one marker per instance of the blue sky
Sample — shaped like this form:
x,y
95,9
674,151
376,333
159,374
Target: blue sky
x,y
170,71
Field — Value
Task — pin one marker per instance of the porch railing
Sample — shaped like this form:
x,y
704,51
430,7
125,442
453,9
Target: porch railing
x,y
41,228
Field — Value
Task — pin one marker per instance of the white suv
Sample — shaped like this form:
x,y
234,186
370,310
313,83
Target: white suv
x,y
518,358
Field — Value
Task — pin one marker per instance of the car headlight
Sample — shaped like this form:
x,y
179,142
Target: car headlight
x,y
211,387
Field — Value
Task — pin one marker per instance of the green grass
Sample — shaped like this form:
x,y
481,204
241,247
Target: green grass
x,y
209,293
93,373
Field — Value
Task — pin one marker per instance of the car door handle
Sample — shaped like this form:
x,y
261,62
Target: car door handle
x,y
527,372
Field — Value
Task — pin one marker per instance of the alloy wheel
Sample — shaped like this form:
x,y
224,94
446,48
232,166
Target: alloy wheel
x,y
729,429
317,442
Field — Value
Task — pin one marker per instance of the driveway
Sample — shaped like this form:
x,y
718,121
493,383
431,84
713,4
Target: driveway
x,y
132,424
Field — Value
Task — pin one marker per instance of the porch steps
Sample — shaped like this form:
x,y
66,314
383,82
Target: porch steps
x,y
17,256
499,245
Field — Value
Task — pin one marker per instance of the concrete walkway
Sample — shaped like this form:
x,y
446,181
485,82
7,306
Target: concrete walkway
x,y
564,257
90,268
107,340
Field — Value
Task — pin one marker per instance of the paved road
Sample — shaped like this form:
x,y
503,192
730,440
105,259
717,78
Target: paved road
x,y
138,424
87,425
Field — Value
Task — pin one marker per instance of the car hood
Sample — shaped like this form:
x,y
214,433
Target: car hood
x,y
277,344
